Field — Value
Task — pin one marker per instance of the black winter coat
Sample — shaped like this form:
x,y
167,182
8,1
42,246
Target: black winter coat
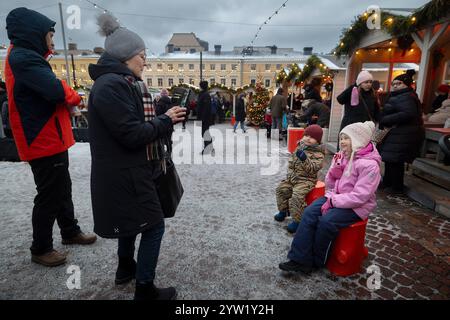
x,y
317,109
403,113
240,110
358,113
204,107
124,198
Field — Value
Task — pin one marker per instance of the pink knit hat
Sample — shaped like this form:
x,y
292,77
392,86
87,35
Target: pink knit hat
x,y
363,76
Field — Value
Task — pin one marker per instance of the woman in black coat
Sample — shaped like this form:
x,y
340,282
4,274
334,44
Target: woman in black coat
x,y
240,113
360,102
403,113
124,168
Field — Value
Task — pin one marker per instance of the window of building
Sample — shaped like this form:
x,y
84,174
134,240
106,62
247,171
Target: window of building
x,y
180,80
181,67
203,66
192,50
159,66
233,82
191,66
223,81
253,82
149,67
253,67
212,81
212,67
54,67
223,67
267,83
149,82
160,82
170,67
234,67
268,66
278,67
170,82
191,81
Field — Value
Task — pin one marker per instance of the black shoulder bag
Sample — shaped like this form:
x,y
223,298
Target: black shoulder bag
x,y
170,190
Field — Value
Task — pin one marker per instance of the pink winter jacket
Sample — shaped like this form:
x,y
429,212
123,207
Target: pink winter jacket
x,y
356,191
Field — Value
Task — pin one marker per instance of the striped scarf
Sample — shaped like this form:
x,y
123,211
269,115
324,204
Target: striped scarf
x,y
158,149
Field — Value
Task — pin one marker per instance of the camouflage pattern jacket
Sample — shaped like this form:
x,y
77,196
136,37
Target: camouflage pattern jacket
x,y
305,170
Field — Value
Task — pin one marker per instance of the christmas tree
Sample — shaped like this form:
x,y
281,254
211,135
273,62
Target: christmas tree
x,y
257,109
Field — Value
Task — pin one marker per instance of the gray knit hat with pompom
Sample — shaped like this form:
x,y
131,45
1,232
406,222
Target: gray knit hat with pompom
x,y
120,42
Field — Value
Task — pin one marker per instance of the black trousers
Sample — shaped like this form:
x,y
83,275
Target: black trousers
x,y
52,202
393,175
205,127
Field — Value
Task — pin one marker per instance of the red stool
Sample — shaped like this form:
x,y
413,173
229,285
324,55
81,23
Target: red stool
x,y
316,193
348,252
233,120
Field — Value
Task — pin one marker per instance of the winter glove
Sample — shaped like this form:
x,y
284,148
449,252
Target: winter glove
x,y
337,168
301,154
72,97
326,206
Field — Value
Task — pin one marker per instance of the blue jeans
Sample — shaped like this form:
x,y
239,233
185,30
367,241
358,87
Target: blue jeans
x,y
316,233
277,123
148,252
242,125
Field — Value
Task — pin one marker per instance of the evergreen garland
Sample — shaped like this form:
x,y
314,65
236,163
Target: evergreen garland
x,y
396,25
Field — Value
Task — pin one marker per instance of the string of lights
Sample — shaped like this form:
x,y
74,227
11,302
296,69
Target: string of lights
x,y
267,21
321,25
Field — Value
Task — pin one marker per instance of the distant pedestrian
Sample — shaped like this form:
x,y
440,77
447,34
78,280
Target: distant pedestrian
x,y
240,113
277,106
204,114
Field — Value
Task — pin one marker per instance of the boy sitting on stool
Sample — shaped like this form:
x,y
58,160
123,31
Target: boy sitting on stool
x,y
304,164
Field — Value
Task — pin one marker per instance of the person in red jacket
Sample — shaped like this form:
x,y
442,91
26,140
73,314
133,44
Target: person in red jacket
x,y
39,106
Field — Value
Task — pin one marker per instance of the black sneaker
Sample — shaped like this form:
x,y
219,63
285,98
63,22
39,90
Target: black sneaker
x,y
293,266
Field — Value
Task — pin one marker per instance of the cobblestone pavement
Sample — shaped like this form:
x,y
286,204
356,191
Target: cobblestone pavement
x,y
223,242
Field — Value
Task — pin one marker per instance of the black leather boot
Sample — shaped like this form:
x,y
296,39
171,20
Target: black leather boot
x,y
126,271
148,291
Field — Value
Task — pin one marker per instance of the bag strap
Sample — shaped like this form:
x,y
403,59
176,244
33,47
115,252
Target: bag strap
x,y
365,106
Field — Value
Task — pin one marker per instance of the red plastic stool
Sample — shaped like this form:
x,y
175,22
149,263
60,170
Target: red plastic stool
x,y
316,193
348,251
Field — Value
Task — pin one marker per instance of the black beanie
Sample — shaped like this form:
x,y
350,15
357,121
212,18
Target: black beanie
x,y
406,78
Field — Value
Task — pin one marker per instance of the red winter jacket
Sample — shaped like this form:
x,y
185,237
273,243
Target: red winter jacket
x,y
38,101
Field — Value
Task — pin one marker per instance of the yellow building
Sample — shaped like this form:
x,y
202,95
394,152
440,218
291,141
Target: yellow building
x,y
230,68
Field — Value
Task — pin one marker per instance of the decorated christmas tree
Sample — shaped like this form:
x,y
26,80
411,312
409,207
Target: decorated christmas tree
x,y
257,109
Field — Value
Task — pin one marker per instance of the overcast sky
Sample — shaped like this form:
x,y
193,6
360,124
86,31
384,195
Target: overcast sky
x,y
228,22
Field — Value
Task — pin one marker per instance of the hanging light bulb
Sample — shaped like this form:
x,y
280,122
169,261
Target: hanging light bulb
x,y
413,19
390,49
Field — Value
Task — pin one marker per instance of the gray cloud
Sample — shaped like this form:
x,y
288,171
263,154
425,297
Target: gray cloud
x,y
327,16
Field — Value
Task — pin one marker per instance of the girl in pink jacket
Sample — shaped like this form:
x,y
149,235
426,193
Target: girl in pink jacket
x,y
351,183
